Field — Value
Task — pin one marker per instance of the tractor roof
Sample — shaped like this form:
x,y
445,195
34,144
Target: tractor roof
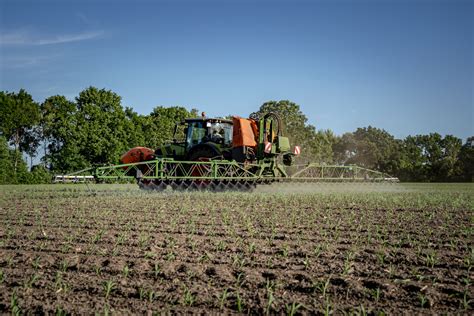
x,y
207,119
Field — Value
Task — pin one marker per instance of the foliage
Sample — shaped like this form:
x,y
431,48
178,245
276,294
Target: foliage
x,y
96,129
6,164
59,134
159,125
368,147
465,162
39,174
101,129
19,116
432,158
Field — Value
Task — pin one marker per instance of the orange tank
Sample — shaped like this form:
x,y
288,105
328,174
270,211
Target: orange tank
x,y
137,154
244,133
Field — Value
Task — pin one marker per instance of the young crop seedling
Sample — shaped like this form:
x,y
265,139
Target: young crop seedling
x,y
221,245
151,255
322,286
60,311
375,294
270,301
240,303
292,309
465,300
223,298
141,293
108,287
29,282
98,270
327,308
36,263
151,296
317,251
188,298
431,259
14,306
252,247
423,300
98,236
381,257
125,270
306,262
143,240
63,265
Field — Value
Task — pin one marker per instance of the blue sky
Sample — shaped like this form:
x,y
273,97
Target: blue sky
x,y
405,66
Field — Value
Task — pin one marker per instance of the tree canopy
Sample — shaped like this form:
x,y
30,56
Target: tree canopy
x,y
96,128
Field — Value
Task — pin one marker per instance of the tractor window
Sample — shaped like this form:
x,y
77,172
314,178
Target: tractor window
x,y
196,133
228,134
220,133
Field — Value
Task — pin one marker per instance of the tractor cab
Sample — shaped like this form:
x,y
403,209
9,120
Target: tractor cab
x,y
200,131
210,135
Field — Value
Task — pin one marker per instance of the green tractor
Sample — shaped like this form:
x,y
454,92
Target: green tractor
x,y
242,140
199,138
253,145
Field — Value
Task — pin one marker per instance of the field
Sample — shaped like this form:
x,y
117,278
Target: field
x,y
325,248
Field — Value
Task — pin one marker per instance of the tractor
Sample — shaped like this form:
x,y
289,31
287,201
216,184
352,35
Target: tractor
x,y
257,144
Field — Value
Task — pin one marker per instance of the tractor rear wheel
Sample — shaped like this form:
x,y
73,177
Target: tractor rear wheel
x,y
202,153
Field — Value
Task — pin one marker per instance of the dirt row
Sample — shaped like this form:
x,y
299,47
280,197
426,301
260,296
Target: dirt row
x,y
213,253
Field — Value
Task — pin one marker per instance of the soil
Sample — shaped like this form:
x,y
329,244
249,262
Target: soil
x,y
82,253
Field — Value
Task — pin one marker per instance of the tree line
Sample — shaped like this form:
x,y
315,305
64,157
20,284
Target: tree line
x,y
96,129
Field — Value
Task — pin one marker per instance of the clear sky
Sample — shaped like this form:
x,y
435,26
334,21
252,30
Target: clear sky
x,y
405,66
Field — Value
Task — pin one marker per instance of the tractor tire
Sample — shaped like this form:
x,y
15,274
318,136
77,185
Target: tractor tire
x,y
201,153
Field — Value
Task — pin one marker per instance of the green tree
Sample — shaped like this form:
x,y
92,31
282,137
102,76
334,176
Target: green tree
x,y
413,162
315,146
430,158
59,130
134,128
19,115
448,167
369,147
466,161
6,164
39,174
158,127
100,126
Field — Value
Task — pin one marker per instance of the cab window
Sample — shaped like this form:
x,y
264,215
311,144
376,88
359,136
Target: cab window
x,y
196,133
